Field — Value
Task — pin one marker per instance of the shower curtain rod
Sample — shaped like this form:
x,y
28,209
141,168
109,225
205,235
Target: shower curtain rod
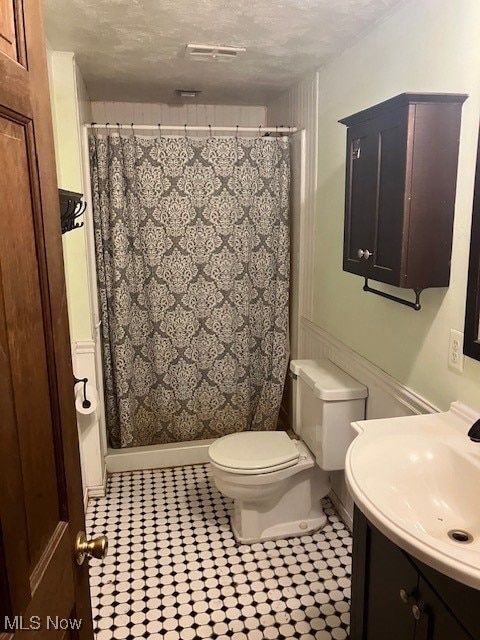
x,y
191,127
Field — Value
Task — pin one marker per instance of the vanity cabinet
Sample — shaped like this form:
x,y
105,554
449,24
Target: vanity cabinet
x,y
401,172
396,597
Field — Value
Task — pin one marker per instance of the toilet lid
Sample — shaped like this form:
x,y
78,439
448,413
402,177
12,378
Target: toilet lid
x,y
254,451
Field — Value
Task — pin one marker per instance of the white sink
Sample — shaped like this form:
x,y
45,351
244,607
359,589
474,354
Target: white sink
x,y
417,479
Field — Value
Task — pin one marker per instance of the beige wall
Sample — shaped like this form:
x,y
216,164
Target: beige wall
x,y
430,45
70,108
298,107
70,103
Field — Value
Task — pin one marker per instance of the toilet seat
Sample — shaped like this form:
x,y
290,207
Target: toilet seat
x,y
254,452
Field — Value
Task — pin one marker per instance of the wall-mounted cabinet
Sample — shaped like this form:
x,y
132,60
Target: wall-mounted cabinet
x,y
401,177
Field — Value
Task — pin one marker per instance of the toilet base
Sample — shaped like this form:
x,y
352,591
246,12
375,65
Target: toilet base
x,y
285,530
283,509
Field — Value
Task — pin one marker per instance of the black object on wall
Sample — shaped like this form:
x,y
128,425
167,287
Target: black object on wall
x,y
71,208
402,157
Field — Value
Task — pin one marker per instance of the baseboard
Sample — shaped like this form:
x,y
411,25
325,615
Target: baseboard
x,y
157,456
342,511
99,490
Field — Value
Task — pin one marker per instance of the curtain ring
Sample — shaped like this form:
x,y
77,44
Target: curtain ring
x,y
259,135
119,129
210,130
94,129
133,130
236,133
185,127
159,131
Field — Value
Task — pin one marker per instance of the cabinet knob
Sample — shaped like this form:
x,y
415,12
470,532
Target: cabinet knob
x,y
416,612
404,596
364,253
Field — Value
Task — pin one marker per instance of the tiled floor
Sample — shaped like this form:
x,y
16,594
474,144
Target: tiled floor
x,y
174,570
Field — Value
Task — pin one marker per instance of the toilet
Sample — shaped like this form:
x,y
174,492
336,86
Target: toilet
x,y
277,482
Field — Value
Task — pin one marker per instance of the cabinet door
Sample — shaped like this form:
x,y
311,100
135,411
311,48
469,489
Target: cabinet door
x,y
388,242
436,621
359,196
389,572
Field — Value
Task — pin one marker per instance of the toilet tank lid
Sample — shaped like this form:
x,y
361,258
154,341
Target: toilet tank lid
x,y
329,382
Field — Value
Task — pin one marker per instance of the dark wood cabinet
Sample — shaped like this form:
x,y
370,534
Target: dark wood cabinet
x,y
436,621
397,597
402,159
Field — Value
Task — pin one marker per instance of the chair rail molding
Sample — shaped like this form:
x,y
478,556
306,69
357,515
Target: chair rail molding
x,y
322,344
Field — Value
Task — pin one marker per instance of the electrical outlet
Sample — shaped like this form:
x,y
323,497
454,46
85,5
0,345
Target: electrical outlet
x,y
455,351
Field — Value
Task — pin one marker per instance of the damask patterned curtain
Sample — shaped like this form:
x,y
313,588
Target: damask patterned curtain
x,y
192,246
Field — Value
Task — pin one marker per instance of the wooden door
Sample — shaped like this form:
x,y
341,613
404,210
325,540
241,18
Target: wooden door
x,y
359,197
41,508
388,240
375,192
384,587
436,621
389,574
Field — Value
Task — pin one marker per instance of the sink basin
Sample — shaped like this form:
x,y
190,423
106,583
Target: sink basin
x,y
417,479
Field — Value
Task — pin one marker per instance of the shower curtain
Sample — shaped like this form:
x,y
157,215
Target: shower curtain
x,y
192,250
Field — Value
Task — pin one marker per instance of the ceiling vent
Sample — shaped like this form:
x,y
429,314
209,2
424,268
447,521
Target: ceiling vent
x,y
187,93
205,53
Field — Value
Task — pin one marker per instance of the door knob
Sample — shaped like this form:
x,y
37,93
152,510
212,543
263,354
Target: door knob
x,y
96,548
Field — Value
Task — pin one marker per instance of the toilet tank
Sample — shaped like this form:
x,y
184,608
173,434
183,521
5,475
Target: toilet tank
x,y
325,401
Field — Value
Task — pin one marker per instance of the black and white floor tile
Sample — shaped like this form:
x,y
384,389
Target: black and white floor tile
x,y
174,570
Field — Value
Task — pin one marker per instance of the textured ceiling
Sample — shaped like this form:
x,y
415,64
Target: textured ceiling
x,y
132,50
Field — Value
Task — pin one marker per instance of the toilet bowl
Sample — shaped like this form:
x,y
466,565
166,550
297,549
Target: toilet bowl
x,y
277,482
277,499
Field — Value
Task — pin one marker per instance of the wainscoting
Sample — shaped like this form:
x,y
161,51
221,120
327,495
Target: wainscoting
x,y
387,398
94,472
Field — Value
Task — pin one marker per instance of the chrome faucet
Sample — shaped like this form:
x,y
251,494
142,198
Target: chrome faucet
x,y
474,432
